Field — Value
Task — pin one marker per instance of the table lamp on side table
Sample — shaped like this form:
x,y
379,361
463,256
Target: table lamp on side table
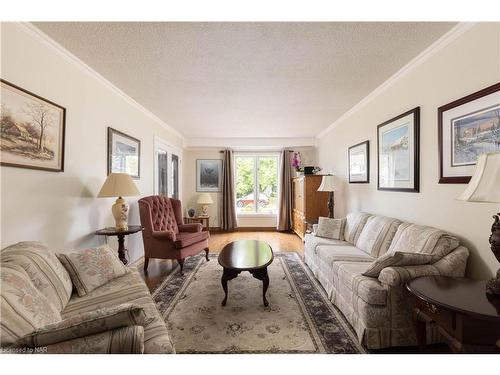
x,y
204,199
484,186
119,185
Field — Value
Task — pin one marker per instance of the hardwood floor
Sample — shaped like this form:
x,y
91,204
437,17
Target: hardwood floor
x,y
160,268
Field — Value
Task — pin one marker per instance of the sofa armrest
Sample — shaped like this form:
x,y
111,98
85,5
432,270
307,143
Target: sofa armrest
x,y
164,235
125,340
193,227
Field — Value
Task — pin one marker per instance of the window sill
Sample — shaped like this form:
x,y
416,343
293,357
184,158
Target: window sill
x,y
256,215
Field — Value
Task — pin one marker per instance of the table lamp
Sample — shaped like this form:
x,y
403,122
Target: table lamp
x,y
484,186
119,185
328,184
204,199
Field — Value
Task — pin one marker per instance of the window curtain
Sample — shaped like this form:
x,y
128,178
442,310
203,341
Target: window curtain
x,y
285,198
228,206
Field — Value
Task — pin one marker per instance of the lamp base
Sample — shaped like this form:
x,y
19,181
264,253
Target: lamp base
x,y
330,205
493,285
204,210
120,213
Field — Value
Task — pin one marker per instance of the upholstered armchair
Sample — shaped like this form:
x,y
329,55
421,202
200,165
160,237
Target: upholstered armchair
x,y
165,236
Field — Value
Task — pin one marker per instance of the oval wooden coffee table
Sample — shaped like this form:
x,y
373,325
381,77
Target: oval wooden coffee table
x,y
246,255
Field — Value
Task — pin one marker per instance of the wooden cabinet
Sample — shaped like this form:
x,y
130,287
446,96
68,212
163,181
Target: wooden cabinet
x,y
308,203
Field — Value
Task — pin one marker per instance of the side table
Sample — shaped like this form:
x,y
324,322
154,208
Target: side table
x,y
203,220
465,315
111,231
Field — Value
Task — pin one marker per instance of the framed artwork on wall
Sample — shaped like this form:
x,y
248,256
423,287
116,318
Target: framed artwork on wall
x,y
208,175
124,153
32,130
467,128
398,148
359,163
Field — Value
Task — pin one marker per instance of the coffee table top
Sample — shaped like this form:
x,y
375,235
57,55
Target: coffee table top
x,y
246,255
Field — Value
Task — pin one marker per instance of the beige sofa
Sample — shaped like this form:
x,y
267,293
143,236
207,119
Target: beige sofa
x,y
37,290
379,309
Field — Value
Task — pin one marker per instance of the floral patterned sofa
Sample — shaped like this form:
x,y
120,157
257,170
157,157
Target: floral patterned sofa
x,y
378,308
41,311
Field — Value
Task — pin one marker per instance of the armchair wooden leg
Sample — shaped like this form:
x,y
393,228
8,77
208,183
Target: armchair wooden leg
x,y
146,264
181,264
206,254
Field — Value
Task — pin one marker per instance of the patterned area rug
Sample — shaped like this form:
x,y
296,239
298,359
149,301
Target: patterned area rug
x,y
299,318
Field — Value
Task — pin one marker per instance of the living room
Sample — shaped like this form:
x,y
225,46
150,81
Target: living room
x,y
250,187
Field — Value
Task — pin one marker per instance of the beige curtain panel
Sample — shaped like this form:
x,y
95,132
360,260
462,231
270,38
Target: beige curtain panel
x,y
228,206
285,198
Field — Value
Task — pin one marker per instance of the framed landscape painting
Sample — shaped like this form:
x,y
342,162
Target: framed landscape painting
x,y
359,163
31,130
208,174
124,153
467,128
398,153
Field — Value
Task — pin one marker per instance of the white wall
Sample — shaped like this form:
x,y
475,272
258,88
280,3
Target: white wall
x,y
468,64
61,209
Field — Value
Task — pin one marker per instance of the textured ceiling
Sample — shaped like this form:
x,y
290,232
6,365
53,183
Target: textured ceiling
x,y
246,79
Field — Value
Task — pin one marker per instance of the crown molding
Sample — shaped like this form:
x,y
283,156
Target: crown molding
x,y
434,48
249,143
47,40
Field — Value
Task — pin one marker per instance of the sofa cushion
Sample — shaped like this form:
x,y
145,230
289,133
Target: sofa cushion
x,y
184,239
331,228
311,242
337,253
398,258
23,307
354,225
377,235
43,268
91,268
413,238
129,288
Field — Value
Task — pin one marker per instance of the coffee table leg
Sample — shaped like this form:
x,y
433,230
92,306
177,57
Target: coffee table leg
x,y
223,281
265,281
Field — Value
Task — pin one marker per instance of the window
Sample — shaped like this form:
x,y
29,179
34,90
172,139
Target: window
x,y
256,184
168,162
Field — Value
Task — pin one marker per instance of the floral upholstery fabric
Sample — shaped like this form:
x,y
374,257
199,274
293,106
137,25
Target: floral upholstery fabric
x,y
397,258
413,238
23,307
377,235
43,268
354,225
91,268
125,340
331,228
129,288
86,324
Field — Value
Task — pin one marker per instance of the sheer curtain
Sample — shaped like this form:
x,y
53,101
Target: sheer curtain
x,y
285,198
228,206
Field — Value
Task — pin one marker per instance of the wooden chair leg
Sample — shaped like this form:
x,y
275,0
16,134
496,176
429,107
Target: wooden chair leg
x,y
206,254
181,264
146,264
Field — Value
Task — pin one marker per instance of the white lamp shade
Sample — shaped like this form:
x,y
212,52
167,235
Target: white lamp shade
x,y
484,185
118,185
328,183
204,198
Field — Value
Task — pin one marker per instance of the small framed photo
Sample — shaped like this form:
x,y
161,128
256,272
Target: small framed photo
x,y
32,130
124,153
359,163
467,128
208,175
398,153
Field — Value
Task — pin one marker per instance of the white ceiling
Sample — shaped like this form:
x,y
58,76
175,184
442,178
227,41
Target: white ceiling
x,y
233,80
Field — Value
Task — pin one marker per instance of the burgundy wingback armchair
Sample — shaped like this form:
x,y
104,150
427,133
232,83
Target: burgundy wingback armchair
x,y
165,236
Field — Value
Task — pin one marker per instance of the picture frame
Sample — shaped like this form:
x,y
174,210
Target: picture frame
x,y
467,127
124,154
208,175
32,131
359,163
398,153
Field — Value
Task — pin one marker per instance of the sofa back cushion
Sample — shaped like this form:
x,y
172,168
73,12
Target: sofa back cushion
x,y
354,225
23,307
377,235
413,238
43,268
157,214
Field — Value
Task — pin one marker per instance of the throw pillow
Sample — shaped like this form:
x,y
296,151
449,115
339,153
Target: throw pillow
x,y
86,324
91,268
398,258
331,228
